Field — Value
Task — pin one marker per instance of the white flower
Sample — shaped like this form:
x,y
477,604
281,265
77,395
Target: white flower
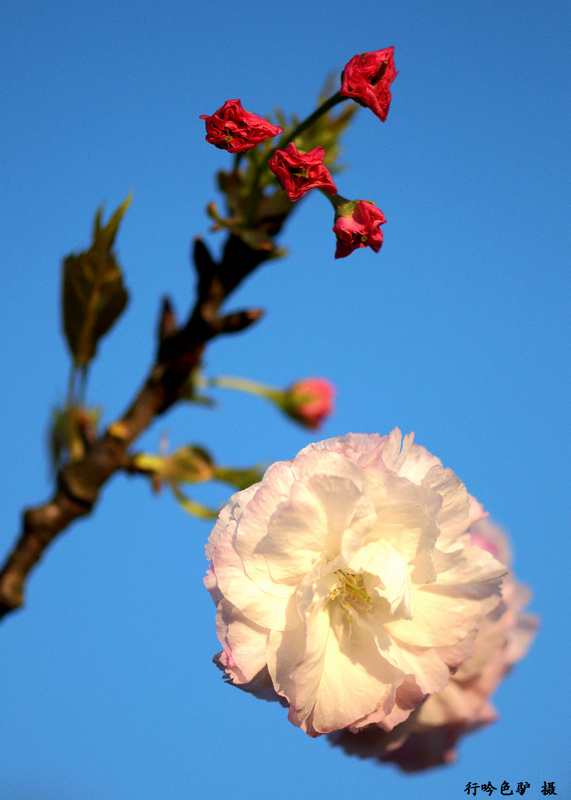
x,y
346,582
429,736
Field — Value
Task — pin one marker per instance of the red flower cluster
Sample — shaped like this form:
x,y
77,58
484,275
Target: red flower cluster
x,y
236,130
298,172
358,227
367,78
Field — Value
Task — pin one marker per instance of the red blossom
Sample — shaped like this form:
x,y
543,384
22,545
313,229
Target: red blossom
x,y
309,401
358,227
298,172
367,78
236,130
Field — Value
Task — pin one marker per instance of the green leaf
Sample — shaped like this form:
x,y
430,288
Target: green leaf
x,y
192,507
240,478
93,294
103,238
189,464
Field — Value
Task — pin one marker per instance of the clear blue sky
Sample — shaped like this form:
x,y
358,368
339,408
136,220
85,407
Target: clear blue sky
x,y
458,330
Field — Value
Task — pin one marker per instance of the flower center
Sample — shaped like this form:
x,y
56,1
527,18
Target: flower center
x,y
380,73
350,592
299,172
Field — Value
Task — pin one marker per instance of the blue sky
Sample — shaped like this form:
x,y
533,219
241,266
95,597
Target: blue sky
x,y
458,329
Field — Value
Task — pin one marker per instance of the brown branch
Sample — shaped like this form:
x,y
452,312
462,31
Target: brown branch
x,y
179,353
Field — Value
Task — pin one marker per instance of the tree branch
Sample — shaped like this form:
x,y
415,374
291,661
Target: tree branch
x,y
179,353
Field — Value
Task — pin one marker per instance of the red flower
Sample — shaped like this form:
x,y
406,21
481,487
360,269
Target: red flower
x,y
233,129
358,226
309,401
367,78
298,172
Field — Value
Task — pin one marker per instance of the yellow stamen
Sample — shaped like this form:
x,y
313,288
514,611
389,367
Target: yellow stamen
x,y
350,591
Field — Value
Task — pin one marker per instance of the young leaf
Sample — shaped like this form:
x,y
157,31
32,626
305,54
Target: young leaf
x,y
93,294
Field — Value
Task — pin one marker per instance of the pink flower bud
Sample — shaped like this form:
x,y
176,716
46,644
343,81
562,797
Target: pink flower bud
x,y
367,78
236,130
357,225
298,172
309,401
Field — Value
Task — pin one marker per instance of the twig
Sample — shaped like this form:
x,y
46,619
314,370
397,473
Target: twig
x,y
179,353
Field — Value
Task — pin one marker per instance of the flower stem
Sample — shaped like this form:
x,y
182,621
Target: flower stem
x,y
336,200
70,402
243,385
289,136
